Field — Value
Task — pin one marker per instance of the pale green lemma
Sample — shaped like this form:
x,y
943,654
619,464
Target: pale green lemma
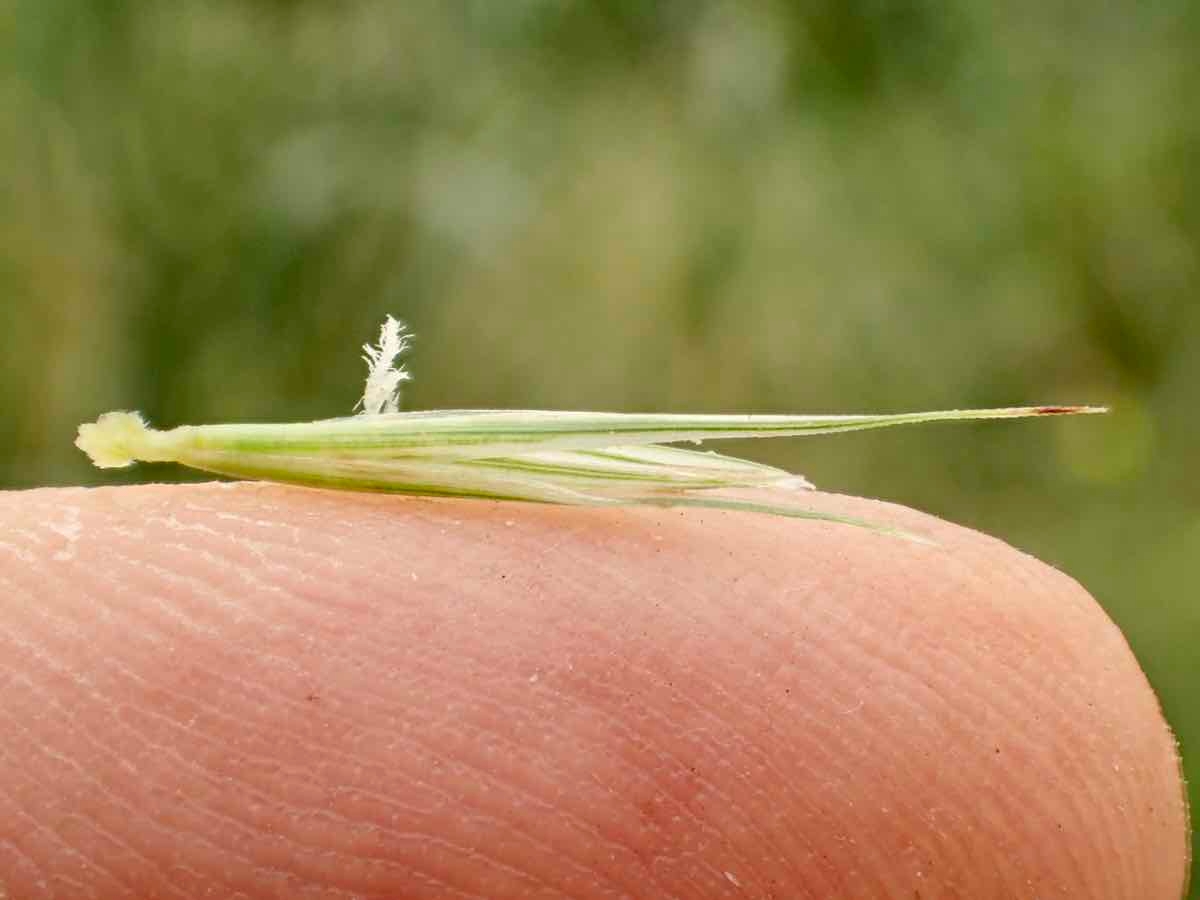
x,y
592,458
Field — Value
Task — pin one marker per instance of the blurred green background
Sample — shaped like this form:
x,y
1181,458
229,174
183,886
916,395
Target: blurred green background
x,y
843,205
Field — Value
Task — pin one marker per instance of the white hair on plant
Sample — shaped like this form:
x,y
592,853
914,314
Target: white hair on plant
x,y
384,373
590,458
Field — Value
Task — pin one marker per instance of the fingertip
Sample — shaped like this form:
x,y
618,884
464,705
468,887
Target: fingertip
x,y
286,692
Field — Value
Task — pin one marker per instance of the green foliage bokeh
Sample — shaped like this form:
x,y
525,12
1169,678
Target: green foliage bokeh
x,y
847,205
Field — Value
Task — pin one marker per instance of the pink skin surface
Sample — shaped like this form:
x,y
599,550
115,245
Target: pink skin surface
x,y
267,692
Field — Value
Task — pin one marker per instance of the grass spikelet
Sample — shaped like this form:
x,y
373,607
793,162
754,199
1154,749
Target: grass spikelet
x,y
593,458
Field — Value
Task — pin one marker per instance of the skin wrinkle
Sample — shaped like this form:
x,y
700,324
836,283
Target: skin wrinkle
x,y
245,574
1014,694
142,577
642,675
11,799
309,849
1070,755
730,637
613,724
192,549
326,814
920,690
849,734
1027,565
706,792
126,811
714,690
184,763
895,761
53,833
829,763
842,819
723,682
481,773
849,649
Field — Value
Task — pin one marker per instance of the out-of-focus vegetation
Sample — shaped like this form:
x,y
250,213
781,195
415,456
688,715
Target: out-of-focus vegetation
x,y
845,205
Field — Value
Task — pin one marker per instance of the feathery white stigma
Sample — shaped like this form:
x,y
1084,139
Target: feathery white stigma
x,y
384,373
